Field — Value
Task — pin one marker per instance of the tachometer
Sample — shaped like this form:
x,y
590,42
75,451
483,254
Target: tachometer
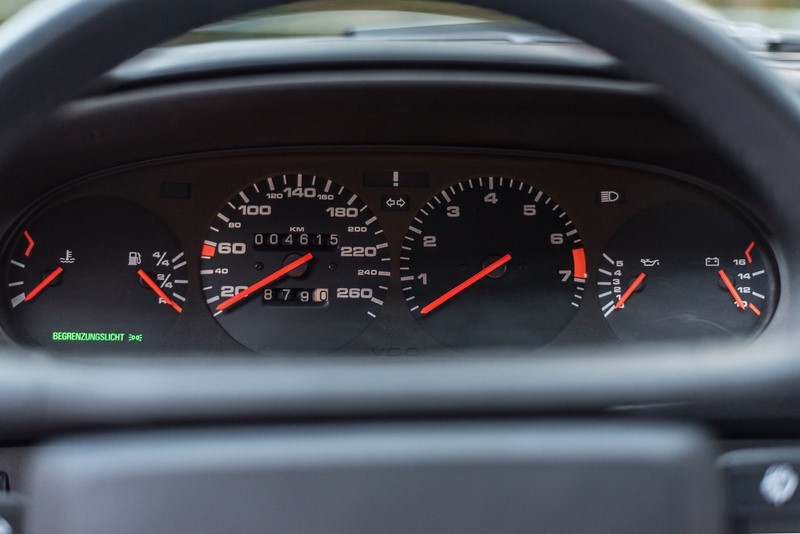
x,y
295,262
492,261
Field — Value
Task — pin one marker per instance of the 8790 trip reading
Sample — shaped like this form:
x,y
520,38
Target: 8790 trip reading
x,y
295,295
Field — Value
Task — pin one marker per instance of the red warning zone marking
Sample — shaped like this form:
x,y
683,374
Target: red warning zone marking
x,y
30,243
579,263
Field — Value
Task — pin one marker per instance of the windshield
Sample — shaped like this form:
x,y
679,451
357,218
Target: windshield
x,y
314,18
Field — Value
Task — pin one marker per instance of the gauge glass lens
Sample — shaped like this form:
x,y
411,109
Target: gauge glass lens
x,y
686,271
95,273
295,263
492,261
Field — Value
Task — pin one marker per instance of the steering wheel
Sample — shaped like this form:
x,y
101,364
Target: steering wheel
x,y
53,48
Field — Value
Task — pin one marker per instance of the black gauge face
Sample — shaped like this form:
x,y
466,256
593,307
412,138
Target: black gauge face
x,y
95,273
683,271
492,261
295,263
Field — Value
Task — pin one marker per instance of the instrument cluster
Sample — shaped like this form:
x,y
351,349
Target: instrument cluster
x,y
382,253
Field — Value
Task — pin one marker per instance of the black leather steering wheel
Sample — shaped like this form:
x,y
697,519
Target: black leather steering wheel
x,y
55,47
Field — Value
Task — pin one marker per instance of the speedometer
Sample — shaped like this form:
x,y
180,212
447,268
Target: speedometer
x,y
295,262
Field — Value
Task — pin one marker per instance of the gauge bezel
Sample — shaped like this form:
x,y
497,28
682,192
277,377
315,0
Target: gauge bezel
x,y
218,175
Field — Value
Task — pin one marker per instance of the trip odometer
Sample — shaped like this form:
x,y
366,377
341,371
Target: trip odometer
x,y
492,262
295,262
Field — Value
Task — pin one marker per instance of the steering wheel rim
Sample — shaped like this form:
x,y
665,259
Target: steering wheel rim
x,y
728,88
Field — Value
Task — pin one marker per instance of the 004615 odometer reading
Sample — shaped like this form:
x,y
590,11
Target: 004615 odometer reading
x,y
295,262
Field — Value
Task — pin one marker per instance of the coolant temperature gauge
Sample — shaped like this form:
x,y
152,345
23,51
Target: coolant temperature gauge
x,y
683,271
95,273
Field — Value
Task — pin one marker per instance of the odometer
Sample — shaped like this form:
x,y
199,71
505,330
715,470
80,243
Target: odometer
x,y
295,262
492,262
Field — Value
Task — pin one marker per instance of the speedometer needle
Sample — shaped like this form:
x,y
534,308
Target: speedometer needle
x,y
158,291
43,284
264,282
465,284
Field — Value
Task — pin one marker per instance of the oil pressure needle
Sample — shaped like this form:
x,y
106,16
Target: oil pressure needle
x,y
264,282
158,291
465,284
625,296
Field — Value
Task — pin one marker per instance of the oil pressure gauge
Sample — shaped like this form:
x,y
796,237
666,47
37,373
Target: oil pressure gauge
x,y
682,271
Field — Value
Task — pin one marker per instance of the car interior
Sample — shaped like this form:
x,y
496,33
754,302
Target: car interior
x,y
414,266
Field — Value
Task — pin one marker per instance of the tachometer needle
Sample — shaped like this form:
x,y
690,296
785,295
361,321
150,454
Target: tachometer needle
x,y
729,285
43,284
264,282
465,284
628,292
158,291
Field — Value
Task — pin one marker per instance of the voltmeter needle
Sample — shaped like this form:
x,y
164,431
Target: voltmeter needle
x,y
732,290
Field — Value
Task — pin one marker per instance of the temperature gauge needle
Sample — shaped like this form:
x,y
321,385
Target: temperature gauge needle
x,y
628,292
264,282
158,291
465,284
43,284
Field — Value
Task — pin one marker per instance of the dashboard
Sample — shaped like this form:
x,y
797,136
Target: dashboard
x,y
384,253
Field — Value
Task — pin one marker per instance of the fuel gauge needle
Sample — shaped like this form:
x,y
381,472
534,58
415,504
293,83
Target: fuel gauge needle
x,y
43,284
158,291
264,282
465,284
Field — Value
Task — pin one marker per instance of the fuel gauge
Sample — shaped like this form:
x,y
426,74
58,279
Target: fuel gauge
x,y
683,271
95,272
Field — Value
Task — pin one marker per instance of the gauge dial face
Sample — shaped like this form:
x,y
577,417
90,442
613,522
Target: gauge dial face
x,y
684,271
96,273
492,261
295,262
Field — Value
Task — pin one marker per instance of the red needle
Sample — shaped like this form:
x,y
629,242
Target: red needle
x,y
264,282
732,289
43,284
160,292
628,292
465,284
